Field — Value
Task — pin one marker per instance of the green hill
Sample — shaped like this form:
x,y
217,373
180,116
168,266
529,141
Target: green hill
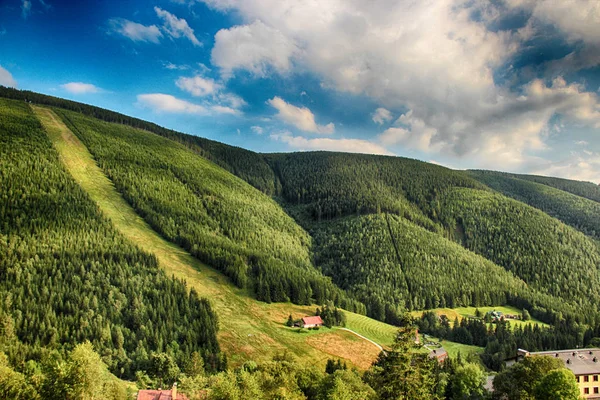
x,y
588,190
579,212
68,276
376,235
217,217
548,255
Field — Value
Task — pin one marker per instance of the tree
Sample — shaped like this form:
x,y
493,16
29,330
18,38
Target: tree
x,y
467,382
290,321
526,316
519,381
163,369
402,373
558,384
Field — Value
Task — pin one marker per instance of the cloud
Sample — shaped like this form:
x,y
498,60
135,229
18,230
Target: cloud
x,y
581,143
301,117
160,102
342,145
214,93
584,166
219,109
175,67
436,58
198,86
254,47
80,88
579,19
176,27
134,31
381,116
25,8
257,130
6,79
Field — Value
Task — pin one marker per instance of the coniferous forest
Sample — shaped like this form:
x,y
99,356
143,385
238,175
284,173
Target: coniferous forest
x,y
375,235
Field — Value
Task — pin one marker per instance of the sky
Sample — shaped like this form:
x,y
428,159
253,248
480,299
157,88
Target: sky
x,y
509,85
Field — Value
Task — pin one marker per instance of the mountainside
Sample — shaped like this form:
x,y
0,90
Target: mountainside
x,y
579,212
372,234
217,217
67,276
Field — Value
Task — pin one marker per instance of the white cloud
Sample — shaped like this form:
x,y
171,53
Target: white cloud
x,y
579,19
160,102
257,130
583,166
252,47
430,57
176,27
342,145
80,88
381,116
6,78
581,143
219,109
175,67
25,8
301,117
198,86
134,31
216,98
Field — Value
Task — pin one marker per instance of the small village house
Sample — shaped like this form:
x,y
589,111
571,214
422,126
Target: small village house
x,y
311,322
159,394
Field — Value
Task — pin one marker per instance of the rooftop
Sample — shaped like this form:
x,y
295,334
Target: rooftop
x,y
312,320
580,361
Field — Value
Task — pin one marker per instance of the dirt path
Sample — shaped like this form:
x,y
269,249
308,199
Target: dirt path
x,y
248,329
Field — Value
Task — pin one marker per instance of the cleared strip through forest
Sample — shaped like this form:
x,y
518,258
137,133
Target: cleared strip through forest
x,y
248,329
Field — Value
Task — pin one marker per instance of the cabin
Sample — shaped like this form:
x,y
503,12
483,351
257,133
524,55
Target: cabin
x,y
161,394
311,322
439,354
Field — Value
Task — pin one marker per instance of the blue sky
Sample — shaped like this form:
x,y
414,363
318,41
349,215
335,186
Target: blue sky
x,y
509,85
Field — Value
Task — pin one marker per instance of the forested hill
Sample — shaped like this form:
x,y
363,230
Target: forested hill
x,y
67,276
577,211
369,221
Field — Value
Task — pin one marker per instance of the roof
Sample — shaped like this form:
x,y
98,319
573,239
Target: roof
x,y
438,353
312,320
158,395
580,361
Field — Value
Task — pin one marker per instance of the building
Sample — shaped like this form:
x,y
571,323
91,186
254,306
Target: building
x,y
311,322
584,363
440,354
161,394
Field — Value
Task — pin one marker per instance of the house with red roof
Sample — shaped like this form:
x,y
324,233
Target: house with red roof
x,y
311,322
159,394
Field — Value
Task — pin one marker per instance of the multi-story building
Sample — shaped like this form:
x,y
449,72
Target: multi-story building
x,y
584,363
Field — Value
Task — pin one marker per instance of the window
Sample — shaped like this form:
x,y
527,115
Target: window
x,y
595,390
586,391
595,378
586,378
577,379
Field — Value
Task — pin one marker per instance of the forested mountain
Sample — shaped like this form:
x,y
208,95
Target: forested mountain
x,y
584,189
67,276
216,216
390,263
374,234
579,212
338,184
550,256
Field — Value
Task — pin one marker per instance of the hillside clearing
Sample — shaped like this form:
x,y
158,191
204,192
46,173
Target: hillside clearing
x,y
469,312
